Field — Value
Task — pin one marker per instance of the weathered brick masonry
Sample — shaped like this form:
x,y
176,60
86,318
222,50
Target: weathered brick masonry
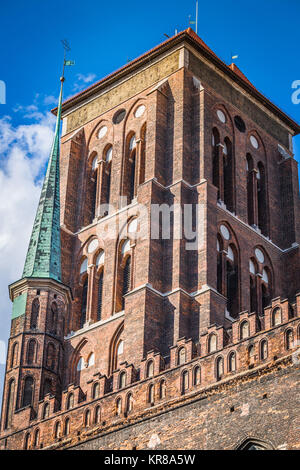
x,y
146,343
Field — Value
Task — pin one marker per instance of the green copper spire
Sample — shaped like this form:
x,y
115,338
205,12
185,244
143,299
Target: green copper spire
x,y
43,256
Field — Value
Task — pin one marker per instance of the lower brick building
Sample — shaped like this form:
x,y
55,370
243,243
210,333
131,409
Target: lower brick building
x,y
159,306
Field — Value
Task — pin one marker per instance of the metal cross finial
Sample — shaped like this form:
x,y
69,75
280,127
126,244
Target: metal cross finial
x,y
196,19
67,48
66,45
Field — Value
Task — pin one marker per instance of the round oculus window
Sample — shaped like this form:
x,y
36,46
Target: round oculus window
x,y
254,142
221,116
225,232
140,111
119,116
93,246
259,255
102,132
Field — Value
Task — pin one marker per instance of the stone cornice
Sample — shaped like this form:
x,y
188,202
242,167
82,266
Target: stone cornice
x,y
20,286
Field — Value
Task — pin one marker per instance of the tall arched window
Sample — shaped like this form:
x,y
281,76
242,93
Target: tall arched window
x,y
47,388
150,369
261,281
132,160
10,403
70,401
34,314
119,406
122,380
129,169
67,427
228,269
27,441
244,330
228,169
124,275
219,264
31,352
265,286
251,353
232,281
46,411
14,355
197,375
181,356
151,394
219,368
143,154
289,339
87,418
129,403
117,350
53,318
36,441
262,200
84,303
276,317
106,177
57,430
212,343
126,279
50,358
97,415
184,382
232,362
162,389
251,190
264,350
100,296
253,285
28,391
93,186
91,360
216,159
96,390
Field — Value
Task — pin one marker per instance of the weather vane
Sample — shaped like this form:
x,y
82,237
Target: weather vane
x,y
196,20
67,48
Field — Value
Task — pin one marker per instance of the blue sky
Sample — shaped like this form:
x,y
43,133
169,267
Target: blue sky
x,y
104,36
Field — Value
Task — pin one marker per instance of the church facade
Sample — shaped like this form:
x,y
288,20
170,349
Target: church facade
x,y
159,306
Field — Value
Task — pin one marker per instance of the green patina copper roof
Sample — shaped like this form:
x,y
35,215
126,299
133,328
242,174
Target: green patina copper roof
x,y
43,256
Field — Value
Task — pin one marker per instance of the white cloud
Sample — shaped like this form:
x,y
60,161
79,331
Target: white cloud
x,y
86,78
83,80
23,154
50,99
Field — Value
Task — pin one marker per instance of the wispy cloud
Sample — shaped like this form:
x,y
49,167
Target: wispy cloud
x,y
33,111
50,100
24,150
83,80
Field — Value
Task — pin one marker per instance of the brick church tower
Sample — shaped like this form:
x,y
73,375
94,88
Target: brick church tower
x,y
159,306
